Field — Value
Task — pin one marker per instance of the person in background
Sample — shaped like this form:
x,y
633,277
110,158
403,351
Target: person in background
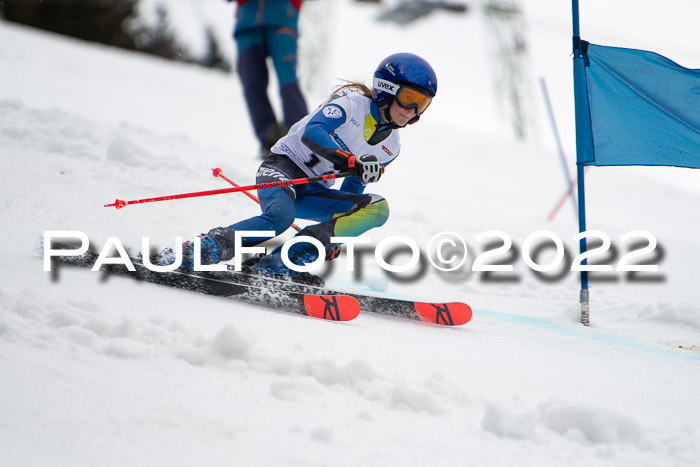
x,y
269,28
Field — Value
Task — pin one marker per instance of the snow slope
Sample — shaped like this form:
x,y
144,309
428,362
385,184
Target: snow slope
x,y
102,371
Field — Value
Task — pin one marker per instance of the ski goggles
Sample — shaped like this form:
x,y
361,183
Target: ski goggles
x,y
412,98
407,96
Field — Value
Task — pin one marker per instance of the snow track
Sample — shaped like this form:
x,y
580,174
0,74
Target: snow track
x,y
97,371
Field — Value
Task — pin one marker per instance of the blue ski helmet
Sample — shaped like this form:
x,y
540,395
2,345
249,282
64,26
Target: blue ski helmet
x,y
403,69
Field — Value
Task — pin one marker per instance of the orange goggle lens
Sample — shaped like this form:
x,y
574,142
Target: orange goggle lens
x,y
409,98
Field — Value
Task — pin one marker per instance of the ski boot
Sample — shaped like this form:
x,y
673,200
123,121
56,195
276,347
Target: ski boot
x,y
209,254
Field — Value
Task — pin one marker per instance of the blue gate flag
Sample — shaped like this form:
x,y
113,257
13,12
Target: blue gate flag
x,y
635,107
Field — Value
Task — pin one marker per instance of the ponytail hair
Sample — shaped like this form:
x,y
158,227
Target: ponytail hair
x,y
356,86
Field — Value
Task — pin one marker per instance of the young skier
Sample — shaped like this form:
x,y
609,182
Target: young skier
x,y
355,131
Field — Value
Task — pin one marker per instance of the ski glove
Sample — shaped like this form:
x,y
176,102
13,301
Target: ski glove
x,y
367,168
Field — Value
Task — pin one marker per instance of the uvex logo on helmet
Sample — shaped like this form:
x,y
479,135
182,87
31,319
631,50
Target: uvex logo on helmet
x,y
386,86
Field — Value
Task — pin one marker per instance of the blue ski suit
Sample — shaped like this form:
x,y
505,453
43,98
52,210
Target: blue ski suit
x,y
349,122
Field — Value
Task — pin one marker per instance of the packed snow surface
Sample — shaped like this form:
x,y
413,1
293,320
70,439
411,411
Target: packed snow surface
x,y
108,371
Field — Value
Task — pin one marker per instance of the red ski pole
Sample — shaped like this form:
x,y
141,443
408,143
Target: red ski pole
x,y
259,186
218,173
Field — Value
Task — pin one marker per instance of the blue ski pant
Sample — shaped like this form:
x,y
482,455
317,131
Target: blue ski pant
x,y
254,46
340,213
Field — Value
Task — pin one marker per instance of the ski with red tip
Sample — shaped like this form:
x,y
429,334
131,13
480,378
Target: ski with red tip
x,y
311,298
332,307
444,314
